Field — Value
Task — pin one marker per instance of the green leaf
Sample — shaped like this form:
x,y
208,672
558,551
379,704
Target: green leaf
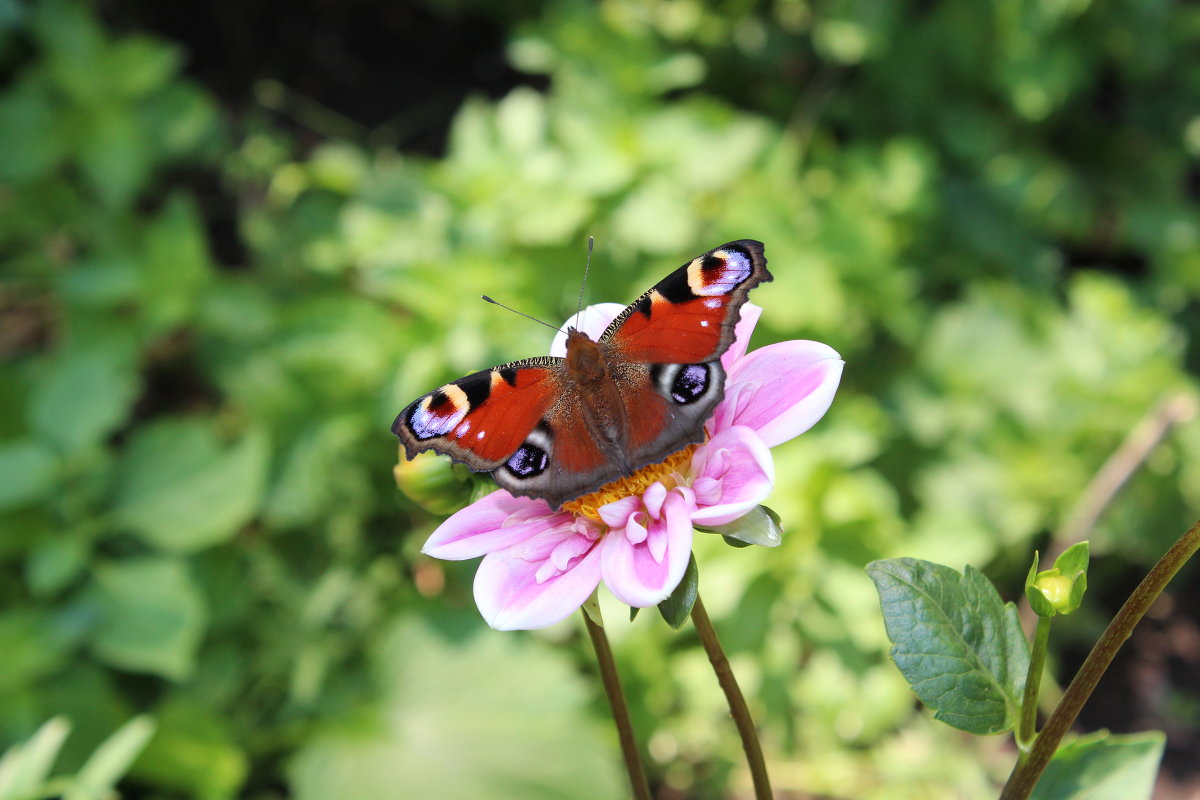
x,y
24,766
27,472
175,264
181,492
760,526
55,561
111,760
151,616
139,65
27,129
959,646
114,155
678,607
1103,766
494,716
84,395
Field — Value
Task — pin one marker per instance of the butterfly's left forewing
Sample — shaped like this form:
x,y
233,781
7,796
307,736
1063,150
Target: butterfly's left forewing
x,y
484,419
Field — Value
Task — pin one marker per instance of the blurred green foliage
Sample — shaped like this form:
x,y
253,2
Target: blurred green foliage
x,y
989,210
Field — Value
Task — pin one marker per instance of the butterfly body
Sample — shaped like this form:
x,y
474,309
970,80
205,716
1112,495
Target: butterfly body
x,y
558,428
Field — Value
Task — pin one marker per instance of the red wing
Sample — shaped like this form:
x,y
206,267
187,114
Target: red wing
x,y
482,419
689,316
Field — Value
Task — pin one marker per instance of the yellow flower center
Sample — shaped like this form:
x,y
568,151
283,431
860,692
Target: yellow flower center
x,y
667,472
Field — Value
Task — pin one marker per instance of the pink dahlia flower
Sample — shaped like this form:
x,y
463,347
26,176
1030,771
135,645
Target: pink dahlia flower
x,y
636,533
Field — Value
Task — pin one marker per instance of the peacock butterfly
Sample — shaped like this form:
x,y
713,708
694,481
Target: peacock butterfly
x,y
558,428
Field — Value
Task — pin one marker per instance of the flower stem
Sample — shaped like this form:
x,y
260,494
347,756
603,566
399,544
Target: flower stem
x,y
1027,771
1033,680
737,703
620,711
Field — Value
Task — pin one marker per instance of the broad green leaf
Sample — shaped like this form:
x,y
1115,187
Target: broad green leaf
x,y
111,760
494,716
32,146
678,607
74,44
152,616
957,643
1103,766
114,155
83,395
27,472
175,264
25,766
56,560
181,492
140,65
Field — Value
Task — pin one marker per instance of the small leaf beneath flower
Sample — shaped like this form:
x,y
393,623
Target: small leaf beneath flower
x,y
761,526
678,607
957,643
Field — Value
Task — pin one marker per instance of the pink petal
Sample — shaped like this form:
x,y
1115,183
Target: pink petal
x,y
733,472
618,512
741,335
653,498
592,321
494,522
645,574
636,530
515,593
780,390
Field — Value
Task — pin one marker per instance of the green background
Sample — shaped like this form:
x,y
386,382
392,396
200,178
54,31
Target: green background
x,y
221,281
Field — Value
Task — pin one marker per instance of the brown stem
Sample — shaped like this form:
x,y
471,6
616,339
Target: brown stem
x,y
737,703
620,711
1026,773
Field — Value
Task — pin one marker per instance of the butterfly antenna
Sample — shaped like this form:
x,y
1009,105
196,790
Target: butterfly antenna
x,y
520,313
586,264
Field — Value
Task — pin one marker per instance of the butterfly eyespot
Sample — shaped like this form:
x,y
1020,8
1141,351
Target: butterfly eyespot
x,y
690,384
719,273
529,461
683,383
438,413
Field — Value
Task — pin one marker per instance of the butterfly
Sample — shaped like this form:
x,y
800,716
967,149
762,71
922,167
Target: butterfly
x,y
559,428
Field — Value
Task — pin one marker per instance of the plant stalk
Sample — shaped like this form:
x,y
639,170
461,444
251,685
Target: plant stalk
x,y
620,711
1027,771
737,702
1033,681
